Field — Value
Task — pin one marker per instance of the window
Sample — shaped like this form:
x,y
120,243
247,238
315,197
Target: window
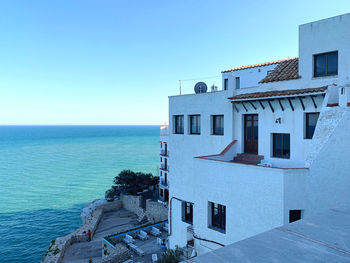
x,y
294,215
225,84
326,64
187,212
238,82
161,192
195,124
218,124
281,145
218,216
179,124
310,124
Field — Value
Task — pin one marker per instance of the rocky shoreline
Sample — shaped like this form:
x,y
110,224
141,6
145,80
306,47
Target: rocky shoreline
x,y
90,216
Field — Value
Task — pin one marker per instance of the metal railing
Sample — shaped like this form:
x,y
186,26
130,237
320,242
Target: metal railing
x,y
164,183
164,152
164,167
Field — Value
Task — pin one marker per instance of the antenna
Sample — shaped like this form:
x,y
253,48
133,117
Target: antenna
x,y
180,85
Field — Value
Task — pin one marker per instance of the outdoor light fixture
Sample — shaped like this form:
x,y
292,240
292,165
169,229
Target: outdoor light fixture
x,y
278,120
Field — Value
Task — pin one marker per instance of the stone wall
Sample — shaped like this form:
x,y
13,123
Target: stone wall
x,y
155,211
115,255
132,203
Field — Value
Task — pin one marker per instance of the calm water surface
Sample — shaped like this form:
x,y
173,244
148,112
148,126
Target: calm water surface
x,y
48,173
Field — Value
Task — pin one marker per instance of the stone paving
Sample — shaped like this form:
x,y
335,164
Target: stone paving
x,y
111,222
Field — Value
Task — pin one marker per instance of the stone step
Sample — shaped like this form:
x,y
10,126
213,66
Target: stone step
x,y
248,158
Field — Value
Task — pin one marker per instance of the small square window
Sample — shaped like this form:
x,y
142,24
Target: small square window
x,y
294,215
281,145
178,124
310,124
326,64
195,124
187,212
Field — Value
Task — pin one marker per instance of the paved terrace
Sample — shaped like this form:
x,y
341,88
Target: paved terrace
x,y
111,222
321,238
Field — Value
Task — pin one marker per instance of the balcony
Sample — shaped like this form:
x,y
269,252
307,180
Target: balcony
x,y
164,153
164,167
164,183
164,131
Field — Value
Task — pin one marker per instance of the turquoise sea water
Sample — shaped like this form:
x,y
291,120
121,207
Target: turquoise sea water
x,y
48,173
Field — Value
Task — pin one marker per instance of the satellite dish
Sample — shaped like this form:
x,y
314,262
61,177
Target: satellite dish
x,y
200,87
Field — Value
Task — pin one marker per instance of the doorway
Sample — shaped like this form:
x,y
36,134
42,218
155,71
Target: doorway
x,y
251,133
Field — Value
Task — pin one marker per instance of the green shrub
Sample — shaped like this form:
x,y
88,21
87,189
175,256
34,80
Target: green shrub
x,y
171,256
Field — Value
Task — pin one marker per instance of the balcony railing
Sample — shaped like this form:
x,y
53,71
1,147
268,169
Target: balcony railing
x,y
164,152
164,167
164,183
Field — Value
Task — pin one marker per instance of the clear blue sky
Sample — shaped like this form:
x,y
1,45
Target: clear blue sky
x,y
116,62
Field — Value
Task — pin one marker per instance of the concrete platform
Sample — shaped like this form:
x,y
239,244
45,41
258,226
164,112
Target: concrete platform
x,y
322,238
111,222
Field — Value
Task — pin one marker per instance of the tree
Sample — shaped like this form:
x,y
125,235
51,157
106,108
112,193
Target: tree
x,y
133,182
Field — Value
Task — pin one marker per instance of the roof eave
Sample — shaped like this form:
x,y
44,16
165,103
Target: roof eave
x,y
279,97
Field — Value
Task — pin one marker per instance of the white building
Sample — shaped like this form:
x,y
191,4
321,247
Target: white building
x,y
164,167
269,148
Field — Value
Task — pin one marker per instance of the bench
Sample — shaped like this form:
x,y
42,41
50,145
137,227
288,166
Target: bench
x,y
137,250
142,235
128,239
155,232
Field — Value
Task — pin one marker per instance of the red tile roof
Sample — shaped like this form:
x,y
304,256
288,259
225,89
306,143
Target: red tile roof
x,y
285,70
258,65
276,93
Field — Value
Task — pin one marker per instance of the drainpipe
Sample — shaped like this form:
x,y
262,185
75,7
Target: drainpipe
x,y
194,235
170,216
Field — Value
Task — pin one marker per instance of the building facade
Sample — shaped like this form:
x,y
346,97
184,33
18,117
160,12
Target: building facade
x,y
269,148
164,167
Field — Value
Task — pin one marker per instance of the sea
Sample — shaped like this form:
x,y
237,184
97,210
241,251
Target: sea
x,y
49,173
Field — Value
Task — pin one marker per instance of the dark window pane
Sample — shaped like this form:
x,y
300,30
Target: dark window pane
x,y
294,215
238,83
179,124
311,121
218,124
326,64
255,130
320,65
281,145
286,145
218,213
194,124
332,64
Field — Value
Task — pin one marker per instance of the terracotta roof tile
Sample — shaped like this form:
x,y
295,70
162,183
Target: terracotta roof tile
x,y
276,93
285,70
258,65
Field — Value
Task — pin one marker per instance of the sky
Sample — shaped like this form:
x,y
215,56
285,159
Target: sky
x,y
101,62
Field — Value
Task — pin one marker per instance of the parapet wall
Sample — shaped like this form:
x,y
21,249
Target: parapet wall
x,y
155,211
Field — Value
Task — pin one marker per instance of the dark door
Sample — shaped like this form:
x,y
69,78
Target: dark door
x,y
166,148
251,133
